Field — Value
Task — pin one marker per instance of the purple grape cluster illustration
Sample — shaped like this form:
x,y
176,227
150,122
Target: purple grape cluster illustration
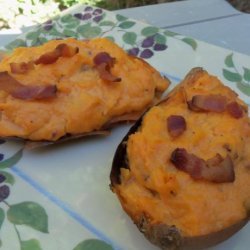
x,y
23,213
4,189
92,22
148,47
48,25
90,13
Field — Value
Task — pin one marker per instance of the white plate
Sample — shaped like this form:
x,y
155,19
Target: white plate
x,y
59,195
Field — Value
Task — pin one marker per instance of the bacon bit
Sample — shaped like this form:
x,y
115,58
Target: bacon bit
x,y
215,103
216,169
220,170
104,62
67,51
104,72
61,50
192,107
35,92
17,90
235,110
22,67
104,57
49,57
176,125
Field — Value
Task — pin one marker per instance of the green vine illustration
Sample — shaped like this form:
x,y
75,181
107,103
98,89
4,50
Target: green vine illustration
x,y
94,22
24,213
93,244
29,213
233,75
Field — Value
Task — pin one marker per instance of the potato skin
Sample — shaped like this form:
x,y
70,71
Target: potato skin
x,y
166,237
169,237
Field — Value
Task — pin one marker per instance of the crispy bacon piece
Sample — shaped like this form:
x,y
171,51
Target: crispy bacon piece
x,y
61,50
104,57
235,110
21,68
17,90
67,51
103,63
34,92
216,169
49,57
104,72
176,125
215,103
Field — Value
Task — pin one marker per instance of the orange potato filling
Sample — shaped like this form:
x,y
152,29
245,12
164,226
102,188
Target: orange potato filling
x,y
155,187
84,102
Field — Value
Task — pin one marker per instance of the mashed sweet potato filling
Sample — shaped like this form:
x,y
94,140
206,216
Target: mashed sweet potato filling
x,y
84,101
155,187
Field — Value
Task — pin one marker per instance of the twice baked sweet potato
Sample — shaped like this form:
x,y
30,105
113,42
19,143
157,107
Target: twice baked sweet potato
x,y
182,172
72,87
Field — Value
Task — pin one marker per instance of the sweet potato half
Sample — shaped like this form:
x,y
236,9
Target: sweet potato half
x,y
182,173
69,88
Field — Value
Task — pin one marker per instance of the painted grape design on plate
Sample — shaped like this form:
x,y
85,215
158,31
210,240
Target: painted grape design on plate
x,y
29,213
4,189
90,13
24,213
93,22
48,25
148,46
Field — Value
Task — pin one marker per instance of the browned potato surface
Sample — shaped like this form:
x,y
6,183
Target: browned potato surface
x,y
182,173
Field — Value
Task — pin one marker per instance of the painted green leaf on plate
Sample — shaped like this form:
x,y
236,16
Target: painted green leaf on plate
x,y
170,33
16,43
246,75
245,88
9,162
149,31
232,76
126,24
190,42
2,216
93,244
69,33
120,18
107,23
34,42
42,40
32,35
31,244
88,31
9,177
68,18
29,213
229,61
129,38
54,32
72,25
161,39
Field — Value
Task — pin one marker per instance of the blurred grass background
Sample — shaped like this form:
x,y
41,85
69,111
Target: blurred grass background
x,y
15,14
